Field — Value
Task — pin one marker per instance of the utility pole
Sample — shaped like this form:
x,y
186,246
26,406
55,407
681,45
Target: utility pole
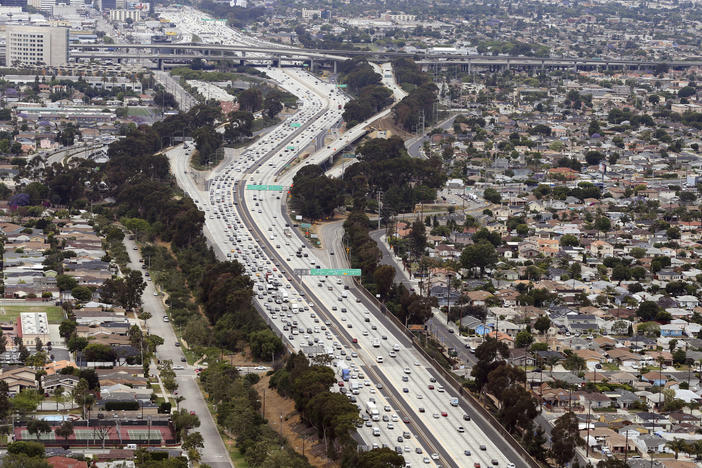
x,y
587,440
448,301
380,206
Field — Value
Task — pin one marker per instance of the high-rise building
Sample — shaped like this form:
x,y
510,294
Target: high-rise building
x,y
36,45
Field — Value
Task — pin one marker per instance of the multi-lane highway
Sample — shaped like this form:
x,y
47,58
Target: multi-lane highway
x,y
251,226
247,220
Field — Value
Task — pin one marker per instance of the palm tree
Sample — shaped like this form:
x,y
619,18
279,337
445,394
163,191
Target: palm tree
x,y
677,446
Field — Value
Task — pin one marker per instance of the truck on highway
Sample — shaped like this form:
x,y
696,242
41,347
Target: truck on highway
x,y
344,371
372,411
284,295
287,232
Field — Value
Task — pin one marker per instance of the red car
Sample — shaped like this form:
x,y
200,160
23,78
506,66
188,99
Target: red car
x,y
431,387
341,384
405,419
444,413
476,465
355,340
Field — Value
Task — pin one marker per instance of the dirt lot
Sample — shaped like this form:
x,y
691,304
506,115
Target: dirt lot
x,y
293,429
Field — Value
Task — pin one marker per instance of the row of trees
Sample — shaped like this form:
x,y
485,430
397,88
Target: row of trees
x,y
421,98
239,412
314,195
330,413
365,84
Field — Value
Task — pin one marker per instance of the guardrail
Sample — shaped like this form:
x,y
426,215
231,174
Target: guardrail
x,y
462,391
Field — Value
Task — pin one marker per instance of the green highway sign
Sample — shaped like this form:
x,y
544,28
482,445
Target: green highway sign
x,y
305,225
269,188
348,155
341,86
296,125
335,272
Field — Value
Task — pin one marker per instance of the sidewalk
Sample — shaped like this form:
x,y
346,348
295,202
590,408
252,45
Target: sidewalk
x,y
399,267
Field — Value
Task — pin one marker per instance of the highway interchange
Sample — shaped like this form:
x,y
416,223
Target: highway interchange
x,y
328,314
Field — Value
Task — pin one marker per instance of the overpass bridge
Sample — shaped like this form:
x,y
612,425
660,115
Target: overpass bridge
x,y
278,56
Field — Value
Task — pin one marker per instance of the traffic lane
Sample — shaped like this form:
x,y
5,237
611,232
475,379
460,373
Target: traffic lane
x,y
341,331
486,427
503,446
418,428
435,403
438,328
214,452
388,259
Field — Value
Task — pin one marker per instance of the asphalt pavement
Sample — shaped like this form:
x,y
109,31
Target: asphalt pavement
x,y
214,452
414,145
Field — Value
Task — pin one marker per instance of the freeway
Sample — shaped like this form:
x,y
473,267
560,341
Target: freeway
x,y
406,378
405,375
328,315
340,55
250,248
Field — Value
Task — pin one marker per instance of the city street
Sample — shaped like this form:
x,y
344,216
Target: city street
x,y
214,453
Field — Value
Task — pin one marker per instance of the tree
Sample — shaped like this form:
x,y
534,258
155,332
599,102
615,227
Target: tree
x,y
193,440
67,328
565,437
250,99
58,396
26,401
23,461
239,126
679,356
383,277
621,272
484,234
524,339
677,446
480,255
594,127
102,430
265,344
82,293
602,223
377,458
26,447
65,430
272,106
38,427
542,324
207,141
569,240
65,282
593,157
492,195
183,421
648,310
418,238
80,394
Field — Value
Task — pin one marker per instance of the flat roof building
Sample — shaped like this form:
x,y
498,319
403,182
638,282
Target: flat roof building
x,y
36,45
33,325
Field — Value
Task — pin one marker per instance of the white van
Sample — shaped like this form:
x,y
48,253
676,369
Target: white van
x,y
379,359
